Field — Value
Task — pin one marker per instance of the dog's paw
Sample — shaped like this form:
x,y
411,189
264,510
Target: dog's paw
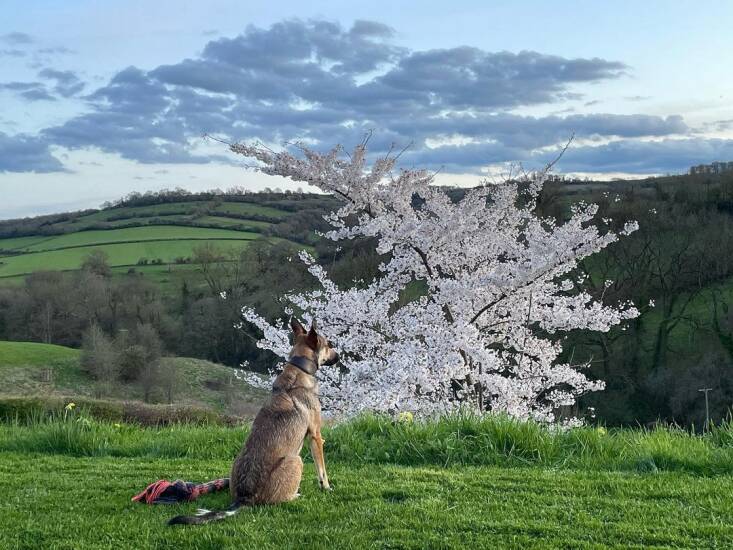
x,y
326,486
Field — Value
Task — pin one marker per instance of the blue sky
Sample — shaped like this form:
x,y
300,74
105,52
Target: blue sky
x,y
102,98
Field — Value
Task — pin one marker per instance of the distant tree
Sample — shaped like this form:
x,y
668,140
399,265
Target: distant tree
x,y
97,262
150,375
100,359
169,379
50,308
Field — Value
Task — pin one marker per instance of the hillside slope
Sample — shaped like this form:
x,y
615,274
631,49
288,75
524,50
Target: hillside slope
x,y
31,369
139,235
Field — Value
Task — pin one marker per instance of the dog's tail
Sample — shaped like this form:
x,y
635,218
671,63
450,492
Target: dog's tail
x,y
207,516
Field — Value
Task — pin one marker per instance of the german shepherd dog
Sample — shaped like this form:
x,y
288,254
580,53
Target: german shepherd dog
x,y
268,468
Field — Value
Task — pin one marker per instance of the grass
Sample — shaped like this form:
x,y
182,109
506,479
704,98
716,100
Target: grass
x,y
32,369
455,441
138,234
186,208
19,354
228,225
77,478
231,222
248,209
123,254
124,235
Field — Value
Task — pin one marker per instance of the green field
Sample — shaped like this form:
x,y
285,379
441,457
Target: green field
x,y
126,254
188,209
32,369
246,209
74,486
125,235
32,354
230,222
164,232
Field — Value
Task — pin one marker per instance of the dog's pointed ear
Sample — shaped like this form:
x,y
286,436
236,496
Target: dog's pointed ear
x,y
312,338
296,326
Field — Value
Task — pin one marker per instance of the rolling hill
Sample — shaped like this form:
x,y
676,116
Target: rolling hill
x,y
155,239
32,369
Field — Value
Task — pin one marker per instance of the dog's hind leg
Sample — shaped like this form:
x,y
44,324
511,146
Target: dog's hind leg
x,y
283,482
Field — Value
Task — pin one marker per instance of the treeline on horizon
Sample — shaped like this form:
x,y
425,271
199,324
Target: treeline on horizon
x,y
297,203
677,269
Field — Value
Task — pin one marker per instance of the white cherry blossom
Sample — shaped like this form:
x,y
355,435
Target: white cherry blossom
x,y
494,291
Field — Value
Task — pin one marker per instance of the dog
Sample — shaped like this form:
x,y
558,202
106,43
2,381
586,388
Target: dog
x,y
268,469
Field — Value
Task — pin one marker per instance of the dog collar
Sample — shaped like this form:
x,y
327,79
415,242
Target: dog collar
x,y
308,366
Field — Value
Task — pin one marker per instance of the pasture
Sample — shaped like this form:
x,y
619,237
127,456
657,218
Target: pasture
x,y
164,233
30,369
458,483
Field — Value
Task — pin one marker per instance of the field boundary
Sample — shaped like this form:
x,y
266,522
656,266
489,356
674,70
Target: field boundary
x,y
91,245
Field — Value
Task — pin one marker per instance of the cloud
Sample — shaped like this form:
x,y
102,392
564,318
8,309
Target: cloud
x,y
21,153
646,157
60,50
325,83
67,82
716,126
16,38
464,78
12,53
31,91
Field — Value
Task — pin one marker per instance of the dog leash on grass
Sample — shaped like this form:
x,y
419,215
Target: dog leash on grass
x,y
167,492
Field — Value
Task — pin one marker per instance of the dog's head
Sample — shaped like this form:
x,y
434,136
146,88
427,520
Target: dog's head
x,y
312,344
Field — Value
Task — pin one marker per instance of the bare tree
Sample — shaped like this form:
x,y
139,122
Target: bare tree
x,y
100,359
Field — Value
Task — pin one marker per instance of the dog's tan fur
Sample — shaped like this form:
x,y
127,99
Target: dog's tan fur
x,y
268,469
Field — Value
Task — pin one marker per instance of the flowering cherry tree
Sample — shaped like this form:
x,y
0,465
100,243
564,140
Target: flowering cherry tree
x,y
495,288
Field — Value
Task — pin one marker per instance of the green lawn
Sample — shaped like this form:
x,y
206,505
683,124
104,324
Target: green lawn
x,y
461,482
55,500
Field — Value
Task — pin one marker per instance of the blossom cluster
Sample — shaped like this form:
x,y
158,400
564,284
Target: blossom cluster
x,y
490,286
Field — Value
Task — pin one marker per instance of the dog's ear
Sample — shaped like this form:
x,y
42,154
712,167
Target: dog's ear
x,y
296,326
312,338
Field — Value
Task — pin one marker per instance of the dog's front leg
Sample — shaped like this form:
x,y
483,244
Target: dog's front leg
x,y
317,452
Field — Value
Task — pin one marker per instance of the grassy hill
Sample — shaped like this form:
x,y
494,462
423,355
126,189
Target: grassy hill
x,y
21,354
124,247
31,369
132,236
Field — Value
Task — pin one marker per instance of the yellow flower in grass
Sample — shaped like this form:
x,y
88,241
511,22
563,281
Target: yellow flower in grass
x,y
406,417
117,425
601,430
70,406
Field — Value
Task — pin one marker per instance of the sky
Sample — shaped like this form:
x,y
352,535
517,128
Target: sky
x,y
101,98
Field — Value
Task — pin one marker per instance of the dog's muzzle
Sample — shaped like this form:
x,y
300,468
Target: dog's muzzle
x,y
332,361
